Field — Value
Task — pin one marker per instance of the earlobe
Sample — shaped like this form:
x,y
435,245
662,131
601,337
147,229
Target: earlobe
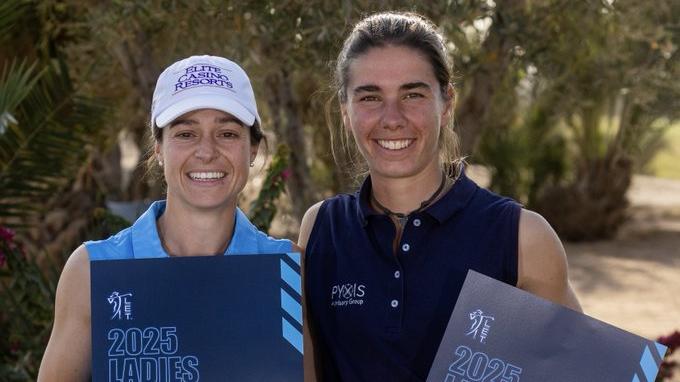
x,y
157,152
253,153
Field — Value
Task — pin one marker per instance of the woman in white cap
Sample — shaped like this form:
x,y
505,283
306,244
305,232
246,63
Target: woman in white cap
x,y
206,133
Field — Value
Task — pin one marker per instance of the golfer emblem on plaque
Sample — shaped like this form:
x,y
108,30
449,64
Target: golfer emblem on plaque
x,y
479,329
122,306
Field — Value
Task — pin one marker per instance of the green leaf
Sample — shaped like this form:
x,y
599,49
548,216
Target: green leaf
x,y
44,149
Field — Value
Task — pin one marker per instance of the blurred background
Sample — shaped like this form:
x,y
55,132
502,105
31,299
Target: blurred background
x,y
570,107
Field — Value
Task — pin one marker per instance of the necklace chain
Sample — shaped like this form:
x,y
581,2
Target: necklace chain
x,y
401,217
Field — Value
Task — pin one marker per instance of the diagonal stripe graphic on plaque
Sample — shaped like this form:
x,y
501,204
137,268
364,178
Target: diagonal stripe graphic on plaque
x,y
649,366
661,350
291,306
292,335
291,277
295,257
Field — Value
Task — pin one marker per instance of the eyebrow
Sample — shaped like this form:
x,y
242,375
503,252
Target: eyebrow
x,y
406,86
414,85
228,119
366,88
221,120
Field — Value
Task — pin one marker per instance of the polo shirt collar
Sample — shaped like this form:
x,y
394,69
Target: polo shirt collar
x,y
146,244
244,240
454,200
363,195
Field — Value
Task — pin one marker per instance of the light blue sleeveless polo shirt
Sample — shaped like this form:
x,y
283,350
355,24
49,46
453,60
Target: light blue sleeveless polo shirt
x,y
141,240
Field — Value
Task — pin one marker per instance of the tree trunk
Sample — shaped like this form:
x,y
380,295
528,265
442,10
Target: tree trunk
x,y
134,58
495,59
290,130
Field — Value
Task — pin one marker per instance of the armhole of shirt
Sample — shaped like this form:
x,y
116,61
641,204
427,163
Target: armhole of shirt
x,y
315,226
94,250
512,263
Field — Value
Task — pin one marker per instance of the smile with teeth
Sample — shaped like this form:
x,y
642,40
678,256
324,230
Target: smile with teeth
x,y
207,176
395,144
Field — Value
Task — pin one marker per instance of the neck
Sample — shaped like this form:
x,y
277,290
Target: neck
x,y
404,195
196,232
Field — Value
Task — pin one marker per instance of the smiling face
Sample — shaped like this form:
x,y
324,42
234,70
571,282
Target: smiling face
x,y
395,111
206,155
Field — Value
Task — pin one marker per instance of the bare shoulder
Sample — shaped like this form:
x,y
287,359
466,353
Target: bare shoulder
x,y
543,268
307,224
77,267
67,356
73,290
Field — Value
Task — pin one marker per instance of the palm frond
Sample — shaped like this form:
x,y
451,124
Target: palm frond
x,y
47,141
12,12
16,81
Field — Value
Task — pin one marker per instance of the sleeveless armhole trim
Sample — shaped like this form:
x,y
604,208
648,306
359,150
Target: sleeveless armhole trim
x,y
512,263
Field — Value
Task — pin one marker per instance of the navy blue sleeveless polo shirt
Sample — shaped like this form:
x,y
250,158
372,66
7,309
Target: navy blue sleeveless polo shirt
x,y
375,316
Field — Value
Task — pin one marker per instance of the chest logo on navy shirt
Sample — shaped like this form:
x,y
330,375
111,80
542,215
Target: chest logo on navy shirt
x,y
348,294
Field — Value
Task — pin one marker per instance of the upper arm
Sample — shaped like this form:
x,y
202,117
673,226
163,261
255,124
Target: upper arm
x,y
543,269
307,224
305,230
68,353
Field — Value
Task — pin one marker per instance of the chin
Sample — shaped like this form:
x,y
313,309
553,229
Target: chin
x,y
210,204
393,170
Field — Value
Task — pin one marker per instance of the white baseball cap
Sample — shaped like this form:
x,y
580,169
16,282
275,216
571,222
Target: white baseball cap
x,y
203,82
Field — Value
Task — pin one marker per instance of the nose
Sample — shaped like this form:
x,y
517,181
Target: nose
x,y
393,117
206,149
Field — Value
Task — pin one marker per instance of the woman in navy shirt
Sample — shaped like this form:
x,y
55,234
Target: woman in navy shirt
x,y
384,266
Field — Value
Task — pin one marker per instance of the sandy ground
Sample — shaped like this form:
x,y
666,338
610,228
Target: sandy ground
x,y
633,281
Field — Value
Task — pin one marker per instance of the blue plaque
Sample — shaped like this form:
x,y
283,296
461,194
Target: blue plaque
x,y
499,333
216,318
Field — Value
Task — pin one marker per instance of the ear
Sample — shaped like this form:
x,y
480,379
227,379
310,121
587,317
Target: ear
x,y
253,151
157,151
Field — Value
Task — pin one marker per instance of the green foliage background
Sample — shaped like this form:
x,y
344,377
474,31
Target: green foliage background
x,y
562,100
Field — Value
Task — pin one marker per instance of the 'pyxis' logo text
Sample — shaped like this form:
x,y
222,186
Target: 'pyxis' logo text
x,y
202,75
479,329
122,305
347,294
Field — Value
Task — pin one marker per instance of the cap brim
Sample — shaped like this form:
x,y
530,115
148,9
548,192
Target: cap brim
x,y
198,102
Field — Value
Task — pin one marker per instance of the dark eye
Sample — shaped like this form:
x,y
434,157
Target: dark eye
x,y
369,98
413,95
228,134
184,134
